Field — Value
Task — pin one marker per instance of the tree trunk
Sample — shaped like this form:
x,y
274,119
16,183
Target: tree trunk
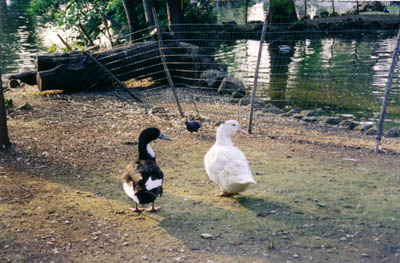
x,y
131,15
4,140
305,9
148,12
282,12
175,18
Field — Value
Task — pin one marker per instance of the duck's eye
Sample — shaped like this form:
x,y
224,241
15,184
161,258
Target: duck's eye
x,y
233,125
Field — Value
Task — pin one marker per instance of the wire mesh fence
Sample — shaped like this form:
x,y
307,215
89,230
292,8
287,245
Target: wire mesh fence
x,y
339,74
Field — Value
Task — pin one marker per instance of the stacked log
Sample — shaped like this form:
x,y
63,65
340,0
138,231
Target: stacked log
x,y
73,71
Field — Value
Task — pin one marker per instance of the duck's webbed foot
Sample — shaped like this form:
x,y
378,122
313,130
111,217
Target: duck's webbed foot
x,y
225,193
153,208
137,209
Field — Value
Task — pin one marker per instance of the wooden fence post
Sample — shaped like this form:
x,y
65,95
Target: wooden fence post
x,y
4,139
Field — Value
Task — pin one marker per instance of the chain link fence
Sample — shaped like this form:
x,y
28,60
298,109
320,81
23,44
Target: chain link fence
x,y
305,76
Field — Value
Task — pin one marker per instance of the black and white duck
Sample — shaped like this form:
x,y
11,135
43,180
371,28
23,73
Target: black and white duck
x,y
142,178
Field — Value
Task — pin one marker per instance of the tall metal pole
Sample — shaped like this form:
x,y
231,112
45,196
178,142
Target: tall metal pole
x,y
254,90
387,92
164,62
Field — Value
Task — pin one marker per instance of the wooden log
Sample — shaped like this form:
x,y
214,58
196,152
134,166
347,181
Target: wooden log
x,y
112,76
27,77
75,71
45,62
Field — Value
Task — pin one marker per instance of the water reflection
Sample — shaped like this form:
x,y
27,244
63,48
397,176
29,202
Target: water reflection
x,y
339,74
19,41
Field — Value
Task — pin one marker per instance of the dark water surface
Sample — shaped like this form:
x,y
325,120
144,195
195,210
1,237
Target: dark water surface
x,y
20,38
343,75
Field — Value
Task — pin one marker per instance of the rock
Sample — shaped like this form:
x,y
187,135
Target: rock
x,y
157,110
310,119
271,108
298,116
26,107
244,101
211,78
234,100
364,127
348,124
145,106
330,120
393,132
206,236
237,95
230,84
372,131
13,83
310,113
292,112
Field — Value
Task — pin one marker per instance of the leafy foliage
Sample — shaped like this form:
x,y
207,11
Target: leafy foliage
x,y
67,14
8,103
201,13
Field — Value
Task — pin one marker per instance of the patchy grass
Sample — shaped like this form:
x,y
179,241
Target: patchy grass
x,y
315,199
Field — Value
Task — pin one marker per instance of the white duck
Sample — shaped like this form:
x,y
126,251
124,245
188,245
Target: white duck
x,y
225,164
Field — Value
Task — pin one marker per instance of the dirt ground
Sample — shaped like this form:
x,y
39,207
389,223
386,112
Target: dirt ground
x,y
320,197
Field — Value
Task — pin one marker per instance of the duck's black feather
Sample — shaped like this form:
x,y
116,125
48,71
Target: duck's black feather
x,y
143,178
138,173
192,126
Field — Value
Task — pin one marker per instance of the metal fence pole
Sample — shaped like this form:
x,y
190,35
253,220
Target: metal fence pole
x,y
254,90
387,92
164,62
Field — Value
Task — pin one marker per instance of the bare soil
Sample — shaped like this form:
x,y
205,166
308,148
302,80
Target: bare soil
x,y
322,195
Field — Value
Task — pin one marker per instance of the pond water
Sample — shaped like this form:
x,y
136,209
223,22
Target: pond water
x,y
19,40
21,37
341,75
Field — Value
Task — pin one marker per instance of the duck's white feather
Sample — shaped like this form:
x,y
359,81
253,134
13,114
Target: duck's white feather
x,y
151,184
130,192
227,166
150,151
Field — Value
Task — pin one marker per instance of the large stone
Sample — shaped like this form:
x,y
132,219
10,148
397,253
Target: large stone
x,y
245,101
393,132
310,119
229,85
211,78
292,112
271,108
326,120
348,124
364,127
312,113
372,131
